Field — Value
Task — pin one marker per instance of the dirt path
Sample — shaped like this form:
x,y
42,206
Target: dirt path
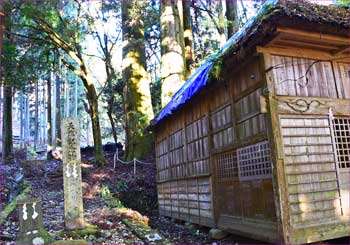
x,y
50,191
137,192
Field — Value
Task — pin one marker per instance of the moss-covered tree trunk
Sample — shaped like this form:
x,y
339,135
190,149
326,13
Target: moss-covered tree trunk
x,y
7,144
188,37
232,17
172,49
137,97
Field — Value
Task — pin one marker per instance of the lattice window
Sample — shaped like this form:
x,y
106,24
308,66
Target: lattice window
x,y
223,132
342,140
254,161
226,165
250,119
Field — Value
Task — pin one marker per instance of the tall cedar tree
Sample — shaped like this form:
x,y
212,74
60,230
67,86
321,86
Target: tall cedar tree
x,y
138,106
9,53
188,37
232,17
172,48
1,31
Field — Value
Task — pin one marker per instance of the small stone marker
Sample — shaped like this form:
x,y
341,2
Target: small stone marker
x,y
73,197
30,222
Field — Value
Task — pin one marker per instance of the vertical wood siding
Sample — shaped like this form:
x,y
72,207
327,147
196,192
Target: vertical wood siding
x,y
303,77
344,77
250,120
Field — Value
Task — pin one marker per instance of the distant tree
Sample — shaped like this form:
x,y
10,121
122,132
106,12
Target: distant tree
x,y
65,32
137,98
112,90
17,70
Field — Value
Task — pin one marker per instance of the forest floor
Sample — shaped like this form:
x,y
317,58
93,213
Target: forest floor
x,y
137,192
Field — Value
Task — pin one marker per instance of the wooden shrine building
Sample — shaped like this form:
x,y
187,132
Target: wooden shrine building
x,y
257,141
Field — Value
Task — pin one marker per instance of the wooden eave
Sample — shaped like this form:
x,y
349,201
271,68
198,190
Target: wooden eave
x,y
319,42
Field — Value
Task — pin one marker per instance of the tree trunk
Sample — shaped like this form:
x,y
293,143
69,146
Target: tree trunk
x,y
114,130
96,129
49,113
36,127
7,144
188,37
1,117
232,17
58,111
1,88
221,27
26,121
172,49
75,112
137,96
21,117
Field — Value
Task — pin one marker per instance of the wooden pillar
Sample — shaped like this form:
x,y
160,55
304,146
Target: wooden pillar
x,y
276,147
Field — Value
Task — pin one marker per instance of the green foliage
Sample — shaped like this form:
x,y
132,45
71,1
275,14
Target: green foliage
x,y
79,234
69,242
109,199
345,3
142,231
105,192
9,208
156,93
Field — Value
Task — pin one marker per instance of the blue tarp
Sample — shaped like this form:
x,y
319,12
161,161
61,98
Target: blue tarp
x,y
200,78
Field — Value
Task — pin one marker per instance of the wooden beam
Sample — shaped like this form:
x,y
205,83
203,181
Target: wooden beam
x,y
301,53
315,36
275,39
290,42
310,105
341,50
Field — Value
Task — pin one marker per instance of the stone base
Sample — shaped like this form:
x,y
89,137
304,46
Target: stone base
x,y
41,237
217,234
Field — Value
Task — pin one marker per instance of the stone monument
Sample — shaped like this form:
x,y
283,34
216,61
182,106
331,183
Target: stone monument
x,y
31,230
73,197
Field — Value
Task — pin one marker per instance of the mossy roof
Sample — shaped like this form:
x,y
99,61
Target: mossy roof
x,y
330,19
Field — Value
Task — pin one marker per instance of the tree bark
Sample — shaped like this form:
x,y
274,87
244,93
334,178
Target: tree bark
x,y
7,144
172,49
49,112
96,129
221,27
232,17
114,130
137,96
1,87
36,127
188,37
58,111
